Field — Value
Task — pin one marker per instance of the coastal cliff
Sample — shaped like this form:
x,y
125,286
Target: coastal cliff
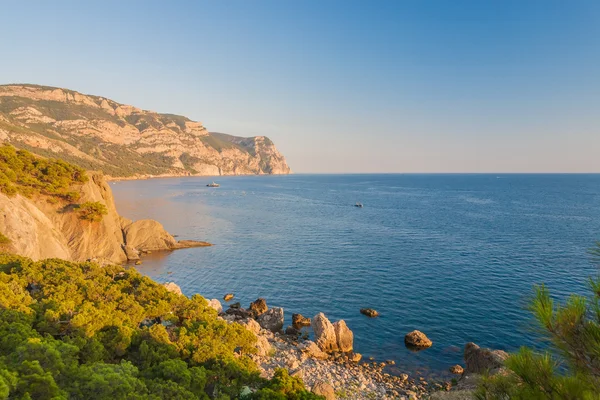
x,y
120,140
40,218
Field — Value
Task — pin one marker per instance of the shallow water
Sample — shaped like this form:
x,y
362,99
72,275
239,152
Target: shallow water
x,y
454,256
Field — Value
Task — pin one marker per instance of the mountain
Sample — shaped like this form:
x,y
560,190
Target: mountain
x,y
97,133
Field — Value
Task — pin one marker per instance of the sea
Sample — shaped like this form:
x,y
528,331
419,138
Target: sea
x,y
454,256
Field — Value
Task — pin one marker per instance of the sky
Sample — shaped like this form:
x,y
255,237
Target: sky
x,y
339,86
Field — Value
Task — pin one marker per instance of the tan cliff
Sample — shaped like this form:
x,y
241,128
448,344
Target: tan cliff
x,y
97,133
40,229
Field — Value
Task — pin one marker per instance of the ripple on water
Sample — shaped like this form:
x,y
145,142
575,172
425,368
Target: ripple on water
x,y
452,255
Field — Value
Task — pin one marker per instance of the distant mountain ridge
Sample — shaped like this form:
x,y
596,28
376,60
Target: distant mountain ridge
x,y
97,133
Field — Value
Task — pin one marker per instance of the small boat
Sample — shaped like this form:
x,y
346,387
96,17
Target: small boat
x,y
359,205
213,185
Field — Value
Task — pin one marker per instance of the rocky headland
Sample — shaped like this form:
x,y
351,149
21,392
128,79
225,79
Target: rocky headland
x,y
38,228
121,140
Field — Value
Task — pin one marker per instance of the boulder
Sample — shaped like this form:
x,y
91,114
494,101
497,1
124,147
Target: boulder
x,y
251,325
291,331
216,304
235,305
343,336
325,336
478,360
263,347
172,287
324,389
310,349
417,339
298,320
457,369
131,253
272,319
241,313
369,312
258,307
355,357
228,296
147,234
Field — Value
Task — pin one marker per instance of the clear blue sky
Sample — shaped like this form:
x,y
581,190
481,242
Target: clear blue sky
x,y
340,86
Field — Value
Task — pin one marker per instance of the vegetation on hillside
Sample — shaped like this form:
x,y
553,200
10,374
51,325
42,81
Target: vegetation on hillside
x,y
92,211
27,174
81,331
572,369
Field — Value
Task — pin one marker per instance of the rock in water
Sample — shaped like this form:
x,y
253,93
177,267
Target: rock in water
x,y
325,336
172,287
228,296
291,331
344,336
272,319
478,360
216,304
259,306
369,312
298,320
456,369
324,389
417,339
131,253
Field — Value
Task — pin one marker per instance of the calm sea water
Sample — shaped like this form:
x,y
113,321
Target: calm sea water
x,y
454,256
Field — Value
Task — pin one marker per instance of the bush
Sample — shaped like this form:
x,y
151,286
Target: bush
x,y
81,331
4,239
572,369
25,173
92,211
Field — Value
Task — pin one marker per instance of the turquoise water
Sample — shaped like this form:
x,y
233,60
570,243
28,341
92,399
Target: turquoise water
x,y
454,256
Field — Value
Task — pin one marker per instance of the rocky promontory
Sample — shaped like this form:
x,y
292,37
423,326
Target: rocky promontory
x,y
97,133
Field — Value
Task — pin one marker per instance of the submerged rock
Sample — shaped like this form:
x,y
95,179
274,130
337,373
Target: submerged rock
x,y
272,319
173,287
417,339
369,312
344,336
478,360
259,306
298,320
325,336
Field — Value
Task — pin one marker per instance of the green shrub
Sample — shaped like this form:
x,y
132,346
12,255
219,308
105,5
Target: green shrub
x,y
81,331
4,239
25,173
92,211
571,370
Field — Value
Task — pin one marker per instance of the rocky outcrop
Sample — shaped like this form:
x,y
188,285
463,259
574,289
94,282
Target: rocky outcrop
x,y
40,229
216,305
343,336
258,307
272,319
417,339
133,142
324,333
478,360
173,288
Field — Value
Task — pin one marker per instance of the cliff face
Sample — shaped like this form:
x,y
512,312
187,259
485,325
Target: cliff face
x,y
39,229
121,140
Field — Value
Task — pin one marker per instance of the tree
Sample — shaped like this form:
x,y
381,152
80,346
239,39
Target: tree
x,y
571,369
92,211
